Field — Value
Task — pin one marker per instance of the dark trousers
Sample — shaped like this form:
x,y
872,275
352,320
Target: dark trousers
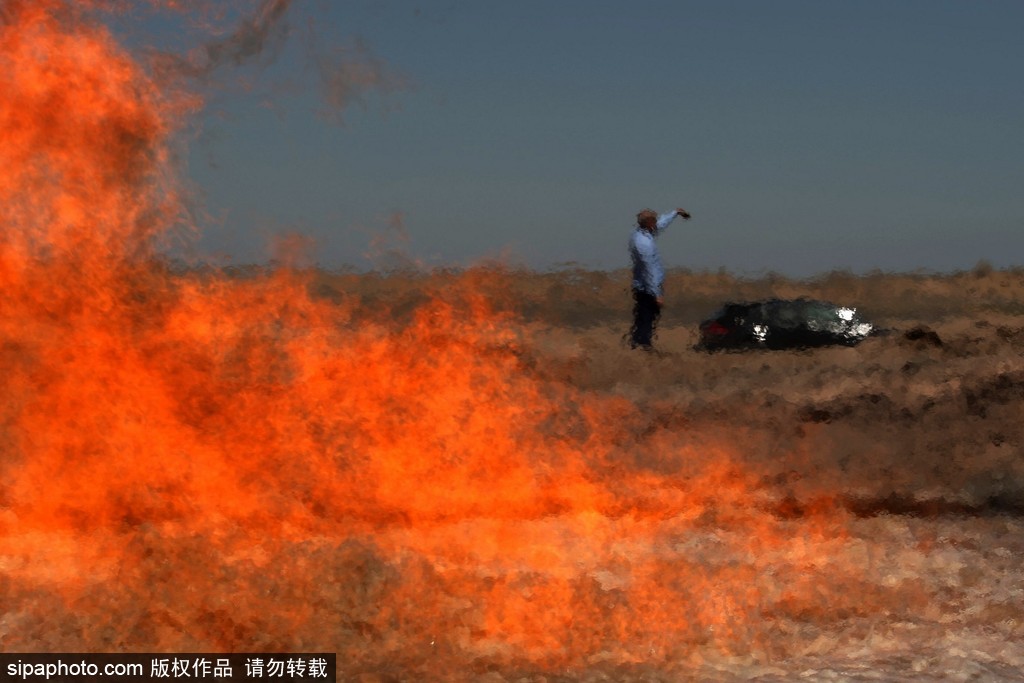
x,y
646,312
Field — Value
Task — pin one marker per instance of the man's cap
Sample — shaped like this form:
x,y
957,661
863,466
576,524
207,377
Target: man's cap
x,y
646,213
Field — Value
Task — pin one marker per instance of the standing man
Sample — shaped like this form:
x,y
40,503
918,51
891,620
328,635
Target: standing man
x,y
648,275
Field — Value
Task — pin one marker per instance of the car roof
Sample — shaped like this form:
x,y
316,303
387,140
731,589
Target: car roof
x,y
799,307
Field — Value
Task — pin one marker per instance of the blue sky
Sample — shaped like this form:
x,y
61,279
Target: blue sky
x,y
803,136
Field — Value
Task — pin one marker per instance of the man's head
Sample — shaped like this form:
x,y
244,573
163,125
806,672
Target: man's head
x,y
647,219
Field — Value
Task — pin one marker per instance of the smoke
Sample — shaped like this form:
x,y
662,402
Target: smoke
x,y
349,73
250,39
345,74
265,29
388,246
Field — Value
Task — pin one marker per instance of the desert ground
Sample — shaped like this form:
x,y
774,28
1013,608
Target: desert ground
x,y
468,476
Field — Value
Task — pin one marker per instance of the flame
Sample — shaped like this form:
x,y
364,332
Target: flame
x,y
197,462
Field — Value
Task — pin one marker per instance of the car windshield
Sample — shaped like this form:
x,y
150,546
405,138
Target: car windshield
x,y
784,312
822,313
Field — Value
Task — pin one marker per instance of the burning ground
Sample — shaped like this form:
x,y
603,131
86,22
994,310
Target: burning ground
x,y
465,476
447,489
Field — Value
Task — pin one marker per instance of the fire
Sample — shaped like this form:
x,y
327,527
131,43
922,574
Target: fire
x,y
197,462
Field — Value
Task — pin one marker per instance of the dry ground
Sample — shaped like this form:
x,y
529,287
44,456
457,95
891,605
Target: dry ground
x,y
829,514
917,434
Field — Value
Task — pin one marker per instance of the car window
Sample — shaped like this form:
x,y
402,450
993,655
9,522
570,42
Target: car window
x,y
786,313
822,313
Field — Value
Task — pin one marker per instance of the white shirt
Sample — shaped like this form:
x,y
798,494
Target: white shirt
x,y
648,274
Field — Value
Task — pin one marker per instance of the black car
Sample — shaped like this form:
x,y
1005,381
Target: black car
x,y
782,324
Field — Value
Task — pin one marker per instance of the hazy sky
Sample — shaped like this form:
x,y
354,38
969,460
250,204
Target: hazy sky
x,y
803,136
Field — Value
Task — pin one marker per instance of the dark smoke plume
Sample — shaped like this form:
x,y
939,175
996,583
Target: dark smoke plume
x,y
346,73
266,27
